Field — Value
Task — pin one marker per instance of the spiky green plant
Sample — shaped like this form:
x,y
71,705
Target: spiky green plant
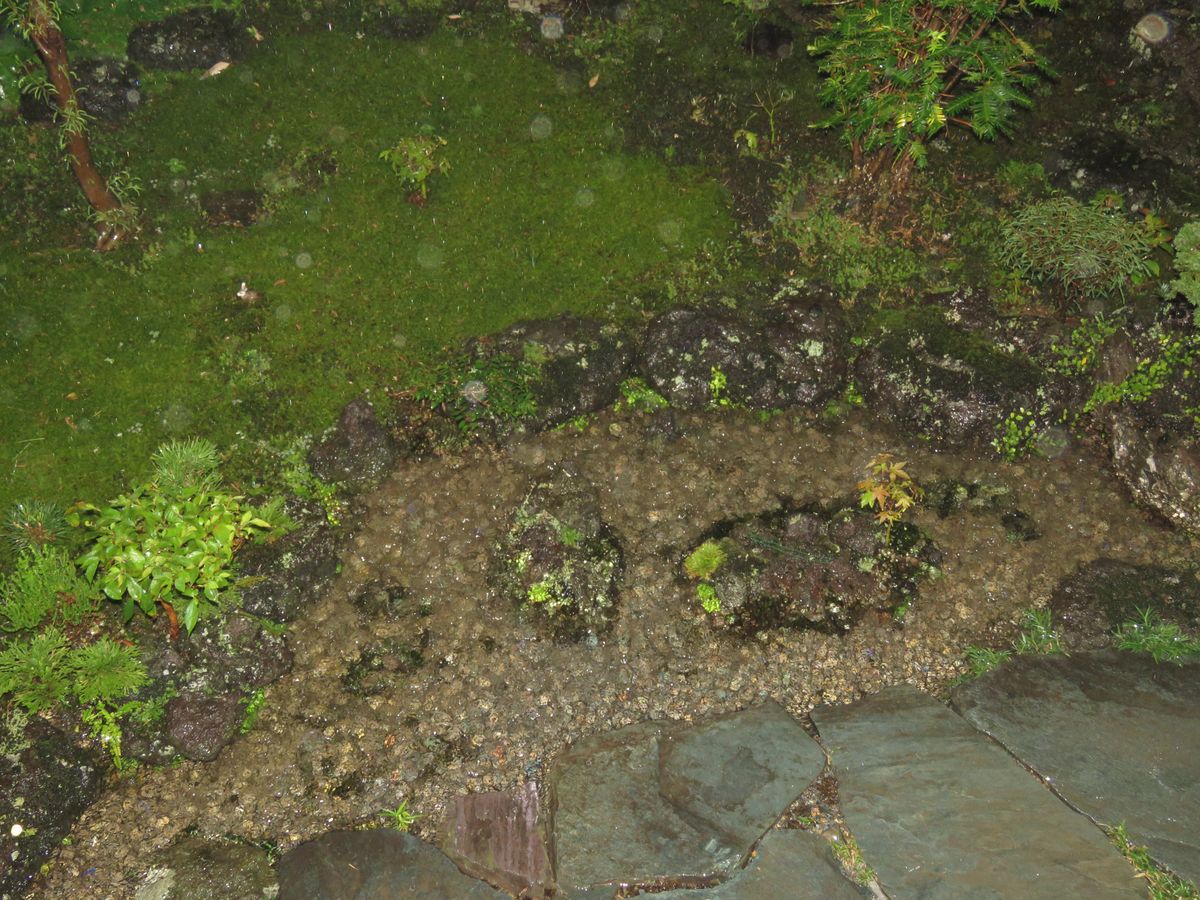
x,y
105,671
36,671
1089,249
703,562
44,584
1165,641
190,463
35,523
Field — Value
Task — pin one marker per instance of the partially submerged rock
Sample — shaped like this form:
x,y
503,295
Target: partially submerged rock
x,y
559,561
357,452
813,568
192,39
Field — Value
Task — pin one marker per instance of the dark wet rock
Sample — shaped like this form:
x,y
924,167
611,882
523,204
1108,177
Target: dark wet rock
x,y
108,89
358,865
384,600
44,787
769,39
192,39
793,864
939,810
581,363
559,561
239,208
658,803
500,837
194,868
234,652
284,576
791,353
937,381
815,568
407,26
357,453
1090,604
1114,733
377,667
199,726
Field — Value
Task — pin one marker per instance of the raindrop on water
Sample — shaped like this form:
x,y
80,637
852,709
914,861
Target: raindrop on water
x,y
430,256
540,128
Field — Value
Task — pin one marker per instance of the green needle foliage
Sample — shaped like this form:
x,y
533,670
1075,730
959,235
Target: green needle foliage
x,y
43,584
899,71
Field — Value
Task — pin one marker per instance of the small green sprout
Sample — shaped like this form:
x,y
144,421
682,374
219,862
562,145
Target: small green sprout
x,y
400,818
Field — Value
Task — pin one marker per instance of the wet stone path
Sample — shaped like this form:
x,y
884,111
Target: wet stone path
x,y
999,796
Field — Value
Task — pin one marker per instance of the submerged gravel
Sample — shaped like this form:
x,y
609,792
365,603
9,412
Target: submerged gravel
x,y
493,699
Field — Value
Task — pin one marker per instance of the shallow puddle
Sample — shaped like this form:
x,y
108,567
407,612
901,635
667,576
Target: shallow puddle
x,y
493,701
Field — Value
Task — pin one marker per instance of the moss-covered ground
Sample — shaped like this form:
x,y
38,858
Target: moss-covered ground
x,y
543,210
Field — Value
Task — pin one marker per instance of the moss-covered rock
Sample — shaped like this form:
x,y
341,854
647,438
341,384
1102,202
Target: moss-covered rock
x,y
559,562
940,382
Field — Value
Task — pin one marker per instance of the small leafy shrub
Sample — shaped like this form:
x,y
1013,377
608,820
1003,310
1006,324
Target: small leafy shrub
x,y
1154,372
476,391
888,489
44,584
414,159
1090,250
1187,263
838,250
1081,351
170,541
1017,436
1165,641
34,523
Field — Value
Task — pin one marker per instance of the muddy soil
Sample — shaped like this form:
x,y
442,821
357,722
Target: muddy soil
x,y
480,699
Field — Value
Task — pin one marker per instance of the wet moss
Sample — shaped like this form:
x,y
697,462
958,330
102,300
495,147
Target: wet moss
x,y
102,358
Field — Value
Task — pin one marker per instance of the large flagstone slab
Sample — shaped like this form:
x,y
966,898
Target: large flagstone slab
x,y
1116,734
657,802
796,865
941,811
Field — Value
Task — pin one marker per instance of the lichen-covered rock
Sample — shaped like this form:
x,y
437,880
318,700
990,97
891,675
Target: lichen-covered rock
x,y
937,381
580,362
108,89
199,726
234,652
357,453
811,568
790,353
1159,466
192,39
195,867
46,782
559,561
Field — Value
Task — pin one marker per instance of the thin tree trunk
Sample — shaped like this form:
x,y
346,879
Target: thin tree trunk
x,y
52,48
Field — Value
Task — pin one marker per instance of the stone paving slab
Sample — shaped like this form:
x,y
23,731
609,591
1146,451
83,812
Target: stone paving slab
x,y
941,811
796,865
374,865
1116,734
658,802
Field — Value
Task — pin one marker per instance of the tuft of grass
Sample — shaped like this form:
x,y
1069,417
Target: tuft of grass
x,y
1162,885
850,857
1165,641
400,818
703,562
1038,634
981,660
